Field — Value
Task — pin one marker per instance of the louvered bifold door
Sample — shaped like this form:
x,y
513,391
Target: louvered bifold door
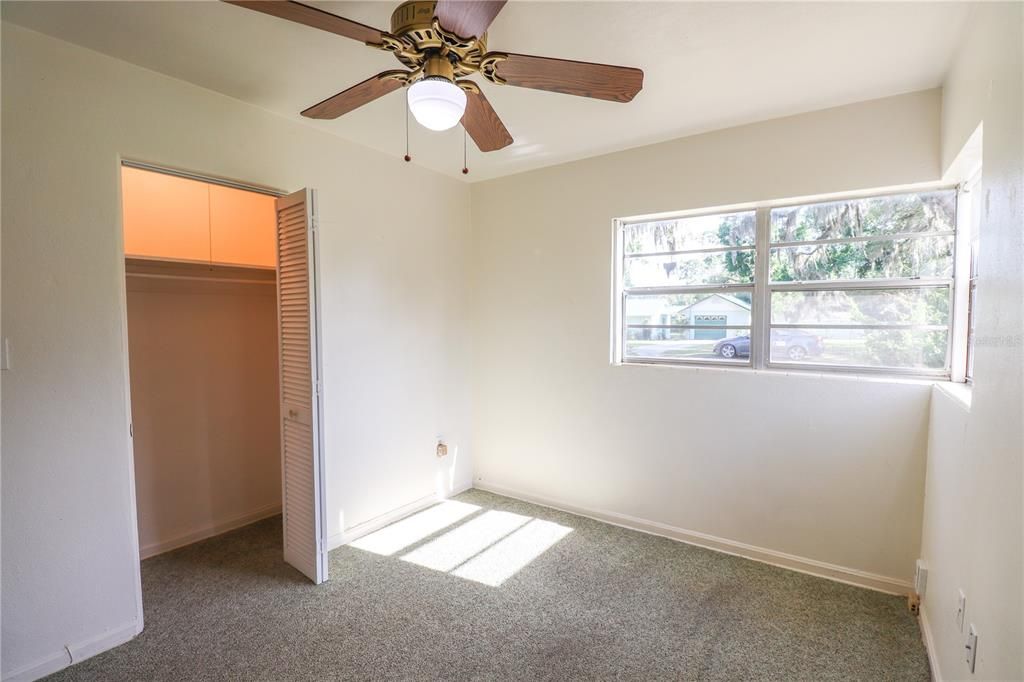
x,y
301,442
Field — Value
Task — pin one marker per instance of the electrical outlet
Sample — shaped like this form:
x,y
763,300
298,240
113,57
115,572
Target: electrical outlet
x,y
920,578
961,610
971,647
442,449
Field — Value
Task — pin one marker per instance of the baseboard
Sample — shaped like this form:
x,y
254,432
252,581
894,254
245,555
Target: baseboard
x,y
154,548
821,569
929,645
73,653
376,523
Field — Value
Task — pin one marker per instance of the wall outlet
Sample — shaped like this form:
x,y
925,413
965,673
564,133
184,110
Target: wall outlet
x,y
971,647
961,610
442,449
920,578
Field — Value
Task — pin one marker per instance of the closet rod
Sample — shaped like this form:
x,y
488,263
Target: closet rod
x,y
230,280
188,175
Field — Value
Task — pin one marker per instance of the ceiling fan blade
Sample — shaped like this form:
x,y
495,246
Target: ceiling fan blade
x,y
356,96
584,79
311,16
483,124
467,18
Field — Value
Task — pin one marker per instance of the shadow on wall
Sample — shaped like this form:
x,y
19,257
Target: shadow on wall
x,y
486,546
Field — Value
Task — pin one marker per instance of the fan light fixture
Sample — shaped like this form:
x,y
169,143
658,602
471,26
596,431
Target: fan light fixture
x,y
441,45
436,102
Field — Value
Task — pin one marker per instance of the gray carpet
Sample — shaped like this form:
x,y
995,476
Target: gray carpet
x,y
600,603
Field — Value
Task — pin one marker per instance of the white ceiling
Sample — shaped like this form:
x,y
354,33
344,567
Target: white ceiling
x,y
708,65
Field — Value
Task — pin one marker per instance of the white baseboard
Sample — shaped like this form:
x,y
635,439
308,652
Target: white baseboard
x,y
154,548
73,653
929,645
376,523
813,567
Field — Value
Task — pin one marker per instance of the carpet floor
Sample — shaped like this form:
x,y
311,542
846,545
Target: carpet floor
x,y
484,587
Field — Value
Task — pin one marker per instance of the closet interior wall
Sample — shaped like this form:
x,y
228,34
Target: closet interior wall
x,y
203,357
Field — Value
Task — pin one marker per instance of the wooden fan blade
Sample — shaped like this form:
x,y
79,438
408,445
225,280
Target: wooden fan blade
x,y
467,18
355,97
483,124
584,79
311,16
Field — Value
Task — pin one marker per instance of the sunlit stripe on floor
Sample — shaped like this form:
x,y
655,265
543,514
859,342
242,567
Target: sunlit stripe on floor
x,y
504,559
411,530
465,541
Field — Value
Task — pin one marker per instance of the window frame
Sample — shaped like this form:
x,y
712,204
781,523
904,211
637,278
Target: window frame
x,y
762,288
969,228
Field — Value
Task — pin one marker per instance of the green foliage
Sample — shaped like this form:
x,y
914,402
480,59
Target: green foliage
x,y
880,258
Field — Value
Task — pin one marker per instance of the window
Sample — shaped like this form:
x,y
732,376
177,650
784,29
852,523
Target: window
x,y
860,284
687,288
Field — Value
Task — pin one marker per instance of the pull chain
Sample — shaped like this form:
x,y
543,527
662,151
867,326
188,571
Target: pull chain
x,y
465,145
406,105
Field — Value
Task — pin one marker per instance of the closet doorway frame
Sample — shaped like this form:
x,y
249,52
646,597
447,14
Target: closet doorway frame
x,y
129,162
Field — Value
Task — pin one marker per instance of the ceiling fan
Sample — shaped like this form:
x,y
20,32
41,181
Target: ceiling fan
x,y
441,43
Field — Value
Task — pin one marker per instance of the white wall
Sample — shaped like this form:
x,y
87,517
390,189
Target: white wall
x,y
392,296
205,407
973,528
826,468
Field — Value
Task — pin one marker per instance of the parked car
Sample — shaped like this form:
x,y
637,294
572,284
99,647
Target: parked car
x,y
733,347
794,344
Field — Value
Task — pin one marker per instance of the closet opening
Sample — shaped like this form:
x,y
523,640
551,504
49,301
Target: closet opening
x,y
202,321
225,382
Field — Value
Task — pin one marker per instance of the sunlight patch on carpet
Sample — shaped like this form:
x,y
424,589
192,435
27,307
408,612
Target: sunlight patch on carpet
x,y
412,529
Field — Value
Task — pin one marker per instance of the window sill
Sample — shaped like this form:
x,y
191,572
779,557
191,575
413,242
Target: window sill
x,y
810,374
959,393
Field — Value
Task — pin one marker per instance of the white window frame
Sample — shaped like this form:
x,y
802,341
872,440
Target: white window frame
x,y
968,227
762,288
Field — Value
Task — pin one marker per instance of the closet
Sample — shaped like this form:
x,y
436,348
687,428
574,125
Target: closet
x,y
200,266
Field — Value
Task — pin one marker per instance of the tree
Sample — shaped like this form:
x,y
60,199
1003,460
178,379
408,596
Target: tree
x,y
899,257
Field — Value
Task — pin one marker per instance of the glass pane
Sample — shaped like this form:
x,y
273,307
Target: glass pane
x,y
688,309
895,348
730,267
925,306
680,234
710,343
889,259
925,212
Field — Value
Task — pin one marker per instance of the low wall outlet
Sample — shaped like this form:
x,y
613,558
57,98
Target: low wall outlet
x,y
442,449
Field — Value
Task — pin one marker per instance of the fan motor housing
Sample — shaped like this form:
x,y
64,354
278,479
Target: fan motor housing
x,y
413,23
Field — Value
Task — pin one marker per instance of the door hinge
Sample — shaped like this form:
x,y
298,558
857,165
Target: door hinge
x,y
131,430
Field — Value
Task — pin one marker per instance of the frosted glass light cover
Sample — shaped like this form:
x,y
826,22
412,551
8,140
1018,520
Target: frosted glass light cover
x,y
437,103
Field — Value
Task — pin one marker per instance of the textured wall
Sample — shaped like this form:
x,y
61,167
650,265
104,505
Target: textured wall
x,y
204,393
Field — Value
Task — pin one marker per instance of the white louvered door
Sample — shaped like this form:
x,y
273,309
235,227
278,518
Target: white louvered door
x,y
302,497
